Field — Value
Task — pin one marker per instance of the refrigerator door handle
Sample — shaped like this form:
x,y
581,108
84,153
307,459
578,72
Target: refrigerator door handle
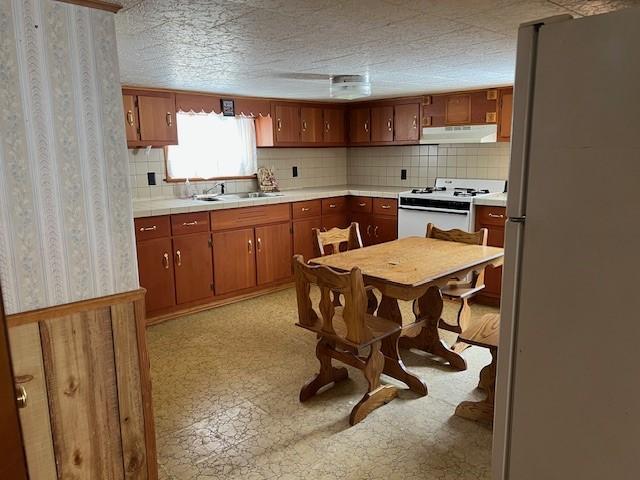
x,y
517,219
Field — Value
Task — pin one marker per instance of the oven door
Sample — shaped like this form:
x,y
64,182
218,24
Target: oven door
x,y
413,221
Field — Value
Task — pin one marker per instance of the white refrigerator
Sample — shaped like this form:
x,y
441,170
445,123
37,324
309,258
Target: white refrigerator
x,y
568,393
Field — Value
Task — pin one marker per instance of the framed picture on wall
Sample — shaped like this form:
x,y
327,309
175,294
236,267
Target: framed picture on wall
x,y
227,107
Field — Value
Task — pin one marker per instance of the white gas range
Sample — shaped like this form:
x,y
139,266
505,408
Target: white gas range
x,y
448,204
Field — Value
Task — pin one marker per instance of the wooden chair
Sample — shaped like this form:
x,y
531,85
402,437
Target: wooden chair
x,y
331,241
344,332
465,289
484,333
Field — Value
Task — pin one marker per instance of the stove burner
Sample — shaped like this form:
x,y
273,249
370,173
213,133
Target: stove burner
x,y
429,190
468,192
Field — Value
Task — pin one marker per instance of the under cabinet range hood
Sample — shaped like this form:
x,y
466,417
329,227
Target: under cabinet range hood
x,y
460,134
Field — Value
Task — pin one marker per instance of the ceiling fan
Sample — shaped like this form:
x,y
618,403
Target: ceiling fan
x,y
346,87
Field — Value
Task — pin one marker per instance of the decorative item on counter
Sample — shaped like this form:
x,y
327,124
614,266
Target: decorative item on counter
x,y
267,180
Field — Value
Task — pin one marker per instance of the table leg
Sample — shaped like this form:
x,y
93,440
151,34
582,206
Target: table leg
x,y
429,307
393,365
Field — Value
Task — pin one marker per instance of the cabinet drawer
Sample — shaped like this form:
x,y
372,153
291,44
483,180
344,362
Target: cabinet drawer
x,y
184,223
491,216
249,216
334,205
310,208
385,206
152,227
360,204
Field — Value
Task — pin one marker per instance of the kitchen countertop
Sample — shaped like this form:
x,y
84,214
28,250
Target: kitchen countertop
x,y
166,206
492,200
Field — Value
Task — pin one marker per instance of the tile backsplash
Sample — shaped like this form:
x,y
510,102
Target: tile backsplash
x,y
424,163
319,167
316,167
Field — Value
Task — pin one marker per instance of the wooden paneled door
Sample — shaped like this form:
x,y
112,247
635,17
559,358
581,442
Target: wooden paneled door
x,y
385,229
458,109
360,126
505,112
193,266
382,124
13,463
334,126
155,265
131,123
273,252
234,260
407,122
157,117
311,125
287,124
303,240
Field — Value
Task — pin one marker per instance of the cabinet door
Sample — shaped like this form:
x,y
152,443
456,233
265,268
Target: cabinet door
x,y
155,268
287,123
130,118
360,126
365,223
335,220
505,112
407,124
458,109
311,126
157,117
193,265
234,260
334,122
382,124
304,242
385,229
273,252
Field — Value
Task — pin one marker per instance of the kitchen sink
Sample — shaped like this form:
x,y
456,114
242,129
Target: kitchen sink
x,y
253,195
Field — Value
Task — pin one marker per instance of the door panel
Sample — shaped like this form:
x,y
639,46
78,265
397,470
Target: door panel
x,y
360,126
13,463
273,252
155,268
287,124
458,109
303,238
385,229
364,221
506,112
157,117
130,117
335,220
193,267
407,122
234,260
311,125
382,124
334,126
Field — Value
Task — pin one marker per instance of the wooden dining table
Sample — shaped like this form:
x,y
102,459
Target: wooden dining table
x,y
414,269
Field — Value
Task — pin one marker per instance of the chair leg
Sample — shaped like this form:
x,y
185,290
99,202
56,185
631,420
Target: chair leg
x,y
377,395
464,317
336,299
372,302
328,374
482,411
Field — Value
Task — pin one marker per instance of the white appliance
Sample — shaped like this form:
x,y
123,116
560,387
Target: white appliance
x,y
568,392
460,134
448,204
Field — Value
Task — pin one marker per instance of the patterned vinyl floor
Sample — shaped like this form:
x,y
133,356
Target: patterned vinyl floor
x,y
225,392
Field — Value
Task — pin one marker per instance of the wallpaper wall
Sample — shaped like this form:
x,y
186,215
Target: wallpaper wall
x,y
66,231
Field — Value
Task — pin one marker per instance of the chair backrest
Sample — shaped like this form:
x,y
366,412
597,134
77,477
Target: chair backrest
x,y
335,237
350,285
457,235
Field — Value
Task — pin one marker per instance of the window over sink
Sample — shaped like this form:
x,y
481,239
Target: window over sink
x,y
212,146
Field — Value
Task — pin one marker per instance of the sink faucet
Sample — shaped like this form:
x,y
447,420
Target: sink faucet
x,y
218,184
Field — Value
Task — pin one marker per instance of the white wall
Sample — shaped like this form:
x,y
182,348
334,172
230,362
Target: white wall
x,y
66,230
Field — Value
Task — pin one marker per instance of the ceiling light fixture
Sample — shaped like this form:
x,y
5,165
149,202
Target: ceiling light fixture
x,y
349,87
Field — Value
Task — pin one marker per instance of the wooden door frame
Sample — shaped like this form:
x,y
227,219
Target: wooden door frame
x,y
13,462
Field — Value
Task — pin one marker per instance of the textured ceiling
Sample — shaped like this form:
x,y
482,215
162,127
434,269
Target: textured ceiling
x,y
265,47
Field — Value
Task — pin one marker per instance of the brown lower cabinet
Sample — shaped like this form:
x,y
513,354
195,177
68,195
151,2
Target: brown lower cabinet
x,y
155,266
303,241
234,259
273,252
193,267
376,229
493,219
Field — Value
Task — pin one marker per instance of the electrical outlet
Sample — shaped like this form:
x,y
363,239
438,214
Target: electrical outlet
x,y
403,174
151,178
294,171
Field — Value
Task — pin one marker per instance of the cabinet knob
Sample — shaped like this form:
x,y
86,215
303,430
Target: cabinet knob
x,y
368,230
279,124
169,119
386,207
179,258
130,119
493,215
250,247
148,229
332,205
304,126
304,209
259,242
375,231
366,127
389,125
165,260
327,126
21,396
190,224
362,204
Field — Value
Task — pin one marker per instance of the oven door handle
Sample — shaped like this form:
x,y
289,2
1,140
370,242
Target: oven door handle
x,y
436,210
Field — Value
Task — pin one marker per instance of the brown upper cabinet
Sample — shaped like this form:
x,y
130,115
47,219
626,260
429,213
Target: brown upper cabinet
x,y
299,125
286,124
360,126
382,124
475,107
311,125
150,118
407,122
458,109
334,132
505,113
